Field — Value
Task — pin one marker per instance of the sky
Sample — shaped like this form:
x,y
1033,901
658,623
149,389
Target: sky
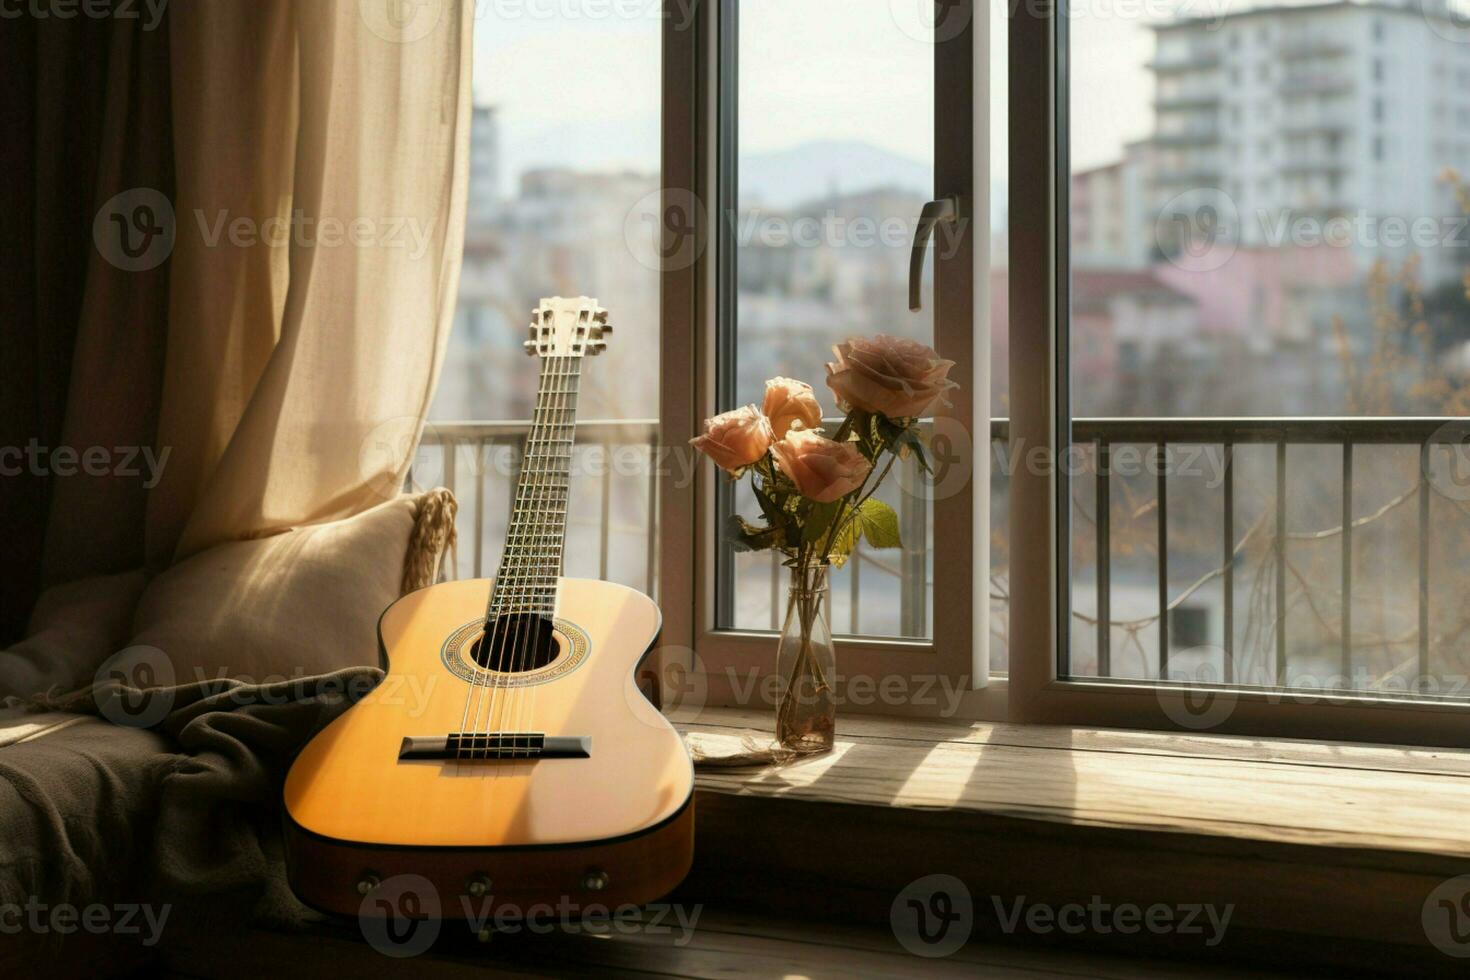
x,y
577,81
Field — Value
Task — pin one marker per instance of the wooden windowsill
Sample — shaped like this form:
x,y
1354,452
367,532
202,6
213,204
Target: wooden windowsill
x,y
1308,841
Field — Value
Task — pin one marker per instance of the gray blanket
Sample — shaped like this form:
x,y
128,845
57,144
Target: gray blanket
x,y
143,800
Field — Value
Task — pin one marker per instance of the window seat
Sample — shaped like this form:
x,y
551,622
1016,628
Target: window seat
x,y
1328,853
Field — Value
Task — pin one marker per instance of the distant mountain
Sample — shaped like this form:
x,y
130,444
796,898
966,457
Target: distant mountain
x,y
816,170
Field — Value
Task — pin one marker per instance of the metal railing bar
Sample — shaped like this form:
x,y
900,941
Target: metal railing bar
x,y
500,431
1228,564
605,543
1380,429
1104,524
1281,562
651,557
1347,561
1424,482
481,466
1162,449
775,591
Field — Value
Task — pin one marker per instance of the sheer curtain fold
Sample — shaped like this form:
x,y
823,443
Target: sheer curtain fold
x,y
322,171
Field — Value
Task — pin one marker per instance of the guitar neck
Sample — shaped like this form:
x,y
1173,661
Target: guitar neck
x,y
532,560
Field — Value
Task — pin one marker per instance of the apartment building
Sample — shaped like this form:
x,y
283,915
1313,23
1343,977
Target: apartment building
x,y
1302,114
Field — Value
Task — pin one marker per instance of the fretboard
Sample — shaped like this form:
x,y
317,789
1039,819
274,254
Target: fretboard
x,y
531,562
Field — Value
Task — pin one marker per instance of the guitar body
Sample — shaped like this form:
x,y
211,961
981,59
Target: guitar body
x,y
496,834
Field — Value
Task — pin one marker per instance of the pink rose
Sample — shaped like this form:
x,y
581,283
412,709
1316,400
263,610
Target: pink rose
x,y
822,469
789,402
888,376
735,439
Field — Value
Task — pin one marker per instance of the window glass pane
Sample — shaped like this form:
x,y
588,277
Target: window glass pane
x,y
565,147
835,139
1000,374
1269,299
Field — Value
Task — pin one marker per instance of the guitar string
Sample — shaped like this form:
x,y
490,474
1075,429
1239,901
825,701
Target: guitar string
x,y
529,646
553,531
485,680
535,466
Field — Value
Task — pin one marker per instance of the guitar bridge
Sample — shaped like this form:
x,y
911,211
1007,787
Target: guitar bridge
x,y
476,746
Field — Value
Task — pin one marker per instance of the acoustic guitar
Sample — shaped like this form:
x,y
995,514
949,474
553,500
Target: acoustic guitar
x,y
508,758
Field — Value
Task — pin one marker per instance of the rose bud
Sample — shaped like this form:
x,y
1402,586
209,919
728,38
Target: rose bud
x,y
791,403
822,469
735,439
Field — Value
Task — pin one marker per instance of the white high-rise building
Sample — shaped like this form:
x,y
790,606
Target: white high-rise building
x,y
484,190
1301,114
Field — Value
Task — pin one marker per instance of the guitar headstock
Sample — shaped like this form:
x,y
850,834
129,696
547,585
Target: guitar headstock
x,y
568,328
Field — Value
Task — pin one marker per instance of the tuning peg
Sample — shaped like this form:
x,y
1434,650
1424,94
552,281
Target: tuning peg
x,y
606,329
601,316
530,347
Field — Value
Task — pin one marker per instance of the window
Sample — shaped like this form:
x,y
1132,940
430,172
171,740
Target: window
x,y
827,181
555,173
1217,544
829,125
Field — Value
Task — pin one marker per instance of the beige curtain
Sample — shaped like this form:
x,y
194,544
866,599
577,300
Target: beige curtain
x,y
321,151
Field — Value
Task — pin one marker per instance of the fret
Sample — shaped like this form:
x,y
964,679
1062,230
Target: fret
x,y
531,562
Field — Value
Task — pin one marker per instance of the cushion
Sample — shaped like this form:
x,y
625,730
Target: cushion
x,y
296,604
73,629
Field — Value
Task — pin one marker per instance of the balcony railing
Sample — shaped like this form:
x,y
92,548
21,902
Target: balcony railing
x,y
614,525
480,462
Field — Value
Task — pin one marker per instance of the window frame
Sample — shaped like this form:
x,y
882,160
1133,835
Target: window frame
x,y
697,50
1040,576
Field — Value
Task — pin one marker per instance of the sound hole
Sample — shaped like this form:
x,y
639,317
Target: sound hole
x,y
518,642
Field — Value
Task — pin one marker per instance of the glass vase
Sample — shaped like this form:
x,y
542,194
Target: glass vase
x,y
806,712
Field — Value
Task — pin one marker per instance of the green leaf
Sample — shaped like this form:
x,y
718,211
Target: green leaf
x,y
909,441
818,521
744,536
774,514
879,524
